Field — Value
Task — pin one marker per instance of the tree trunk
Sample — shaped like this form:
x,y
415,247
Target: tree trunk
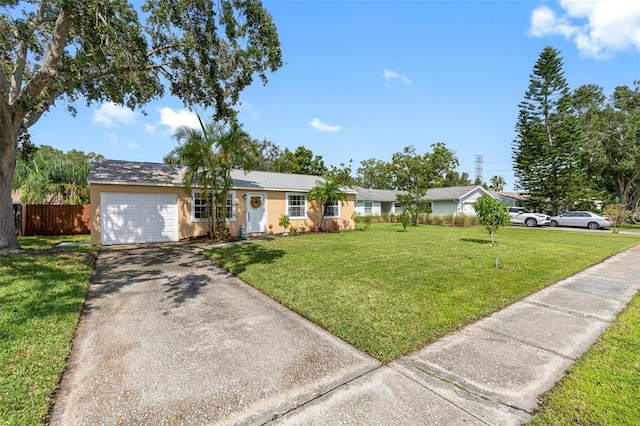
x,y
8,150
624,184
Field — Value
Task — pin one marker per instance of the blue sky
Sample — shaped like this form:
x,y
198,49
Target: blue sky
x,y
363,79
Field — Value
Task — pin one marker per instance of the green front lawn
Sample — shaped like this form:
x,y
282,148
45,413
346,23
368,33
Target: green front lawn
x,y
41,295
390,292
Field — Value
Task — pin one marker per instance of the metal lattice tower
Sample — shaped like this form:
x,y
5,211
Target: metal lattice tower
x,y
479,163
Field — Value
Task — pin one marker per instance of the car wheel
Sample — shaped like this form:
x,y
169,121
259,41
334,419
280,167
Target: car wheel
x,y
593,225
554,223
531,222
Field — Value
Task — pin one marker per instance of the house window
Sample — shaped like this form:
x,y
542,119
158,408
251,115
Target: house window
x,y
297,206
397,208
332,209
368,207
200,212
231,206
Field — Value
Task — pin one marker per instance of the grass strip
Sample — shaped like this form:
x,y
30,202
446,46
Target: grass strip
x,y
42,291
602,387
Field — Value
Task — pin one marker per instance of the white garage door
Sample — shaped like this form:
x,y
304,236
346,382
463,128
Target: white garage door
x,y
138,217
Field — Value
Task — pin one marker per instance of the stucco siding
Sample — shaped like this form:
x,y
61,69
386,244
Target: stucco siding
x,y
274,207
185,227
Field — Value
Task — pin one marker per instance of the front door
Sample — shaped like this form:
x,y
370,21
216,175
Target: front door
x,y
256,218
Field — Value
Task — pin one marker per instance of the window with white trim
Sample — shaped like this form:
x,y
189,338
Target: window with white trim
x,y
332,209
297,206
368,207
200,211
397,208
231,206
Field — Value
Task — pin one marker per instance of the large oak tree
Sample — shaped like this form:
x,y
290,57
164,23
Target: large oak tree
x,y
204,52
612,130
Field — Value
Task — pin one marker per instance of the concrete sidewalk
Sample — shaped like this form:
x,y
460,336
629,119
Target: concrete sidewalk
x,y
168,338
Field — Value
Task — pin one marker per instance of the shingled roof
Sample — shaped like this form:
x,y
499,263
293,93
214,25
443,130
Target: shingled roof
x,y
135,173
159,174
434,194
449,193
382,195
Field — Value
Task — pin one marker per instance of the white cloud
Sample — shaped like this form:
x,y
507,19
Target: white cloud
x,y
322,127
248,108
393,75
175,118
133,145
109,114
597,27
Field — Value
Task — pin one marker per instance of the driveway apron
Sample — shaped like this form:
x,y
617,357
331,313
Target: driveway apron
x,y
166,337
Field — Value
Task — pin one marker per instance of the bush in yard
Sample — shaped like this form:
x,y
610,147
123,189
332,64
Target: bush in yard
x,y
284,222
460,220
434,219
367,222
331,226
619,214
405,220
471,220
448,219
415,205
492,214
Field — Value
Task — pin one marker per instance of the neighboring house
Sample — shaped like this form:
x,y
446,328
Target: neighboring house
x,y
374,202
512,198
134,202
450,200
455,199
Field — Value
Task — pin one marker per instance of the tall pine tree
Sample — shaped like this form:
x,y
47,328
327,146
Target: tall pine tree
x,y
548,139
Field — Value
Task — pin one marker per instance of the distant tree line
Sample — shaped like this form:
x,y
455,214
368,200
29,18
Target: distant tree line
x,y
408,170
573,148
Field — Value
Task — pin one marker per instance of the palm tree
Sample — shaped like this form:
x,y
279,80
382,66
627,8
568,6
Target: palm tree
x,y
497,183
208,155
236,149
326,193
49,177
196,152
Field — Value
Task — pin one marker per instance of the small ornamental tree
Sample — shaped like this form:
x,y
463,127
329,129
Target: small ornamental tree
x,y
405,220
414,204
618,214
492,214
284,222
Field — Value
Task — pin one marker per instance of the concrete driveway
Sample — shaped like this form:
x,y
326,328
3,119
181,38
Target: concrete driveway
x,y
168,338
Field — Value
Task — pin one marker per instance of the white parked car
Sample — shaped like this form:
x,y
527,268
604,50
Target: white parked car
x,y
522,216
581,219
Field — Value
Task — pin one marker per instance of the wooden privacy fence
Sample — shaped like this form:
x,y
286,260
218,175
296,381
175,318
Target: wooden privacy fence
x,y
42,219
